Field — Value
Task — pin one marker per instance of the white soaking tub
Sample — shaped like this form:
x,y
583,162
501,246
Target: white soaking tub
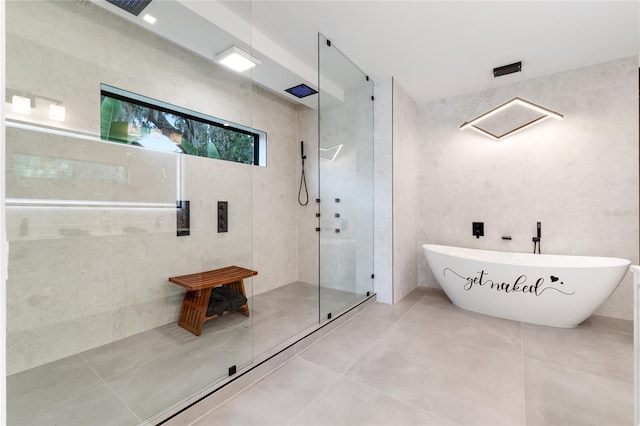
x,y
554,290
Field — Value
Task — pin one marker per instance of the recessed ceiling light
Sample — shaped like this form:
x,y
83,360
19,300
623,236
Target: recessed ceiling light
x,y
237,59
150,19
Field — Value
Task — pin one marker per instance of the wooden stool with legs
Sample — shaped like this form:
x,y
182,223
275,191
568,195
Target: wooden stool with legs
x,y
198,287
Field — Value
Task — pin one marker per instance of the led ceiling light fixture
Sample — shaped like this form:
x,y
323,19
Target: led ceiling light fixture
x,y
237,59
20,104
150,19
510,117
56,112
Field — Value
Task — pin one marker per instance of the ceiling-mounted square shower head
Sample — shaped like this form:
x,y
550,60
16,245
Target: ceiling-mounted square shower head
x,y
301,91
132,6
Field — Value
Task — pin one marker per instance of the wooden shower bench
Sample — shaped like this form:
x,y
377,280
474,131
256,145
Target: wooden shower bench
x,y
193,313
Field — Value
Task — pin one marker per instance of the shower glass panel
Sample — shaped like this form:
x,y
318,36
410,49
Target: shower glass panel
x,y
97,228
345,117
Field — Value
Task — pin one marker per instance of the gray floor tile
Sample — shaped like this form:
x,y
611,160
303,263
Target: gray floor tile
x,y
557,395
97,407
276,399
608,324
341,348
201,374
461,381
335,301
432,315
391,313
421,361
267,334
169,380
118,359
349,403
43,387
586,348
430,295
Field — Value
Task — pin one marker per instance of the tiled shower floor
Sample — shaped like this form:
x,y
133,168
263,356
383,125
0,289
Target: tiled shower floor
x,y
132,379
425,362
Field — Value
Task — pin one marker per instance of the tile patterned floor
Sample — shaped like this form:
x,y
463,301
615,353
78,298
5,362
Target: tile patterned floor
x,y
425,362
130,380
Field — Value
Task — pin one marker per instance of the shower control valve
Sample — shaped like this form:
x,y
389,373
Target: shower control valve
x,y
478,229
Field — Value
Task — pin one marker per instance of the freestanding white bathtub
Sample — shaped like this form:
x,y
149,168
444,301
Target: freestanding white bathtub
x,y
554,290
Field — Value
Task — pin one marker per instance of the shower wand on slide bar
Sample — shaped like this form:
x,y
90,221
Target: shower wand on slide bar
x,y
303,180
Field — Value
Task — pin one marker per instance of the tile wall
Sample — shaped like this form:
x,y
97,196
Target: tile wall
x,y
82,277
579,176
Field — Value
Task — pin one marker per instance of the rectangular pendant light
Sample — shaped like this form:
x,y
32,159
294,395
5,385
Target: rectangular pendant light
x,y
545,113
512,116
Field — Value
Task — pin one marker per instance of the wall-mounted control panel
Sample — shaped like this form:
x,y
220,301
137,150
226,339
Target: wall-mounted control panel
x,y
478,229
182,218
223,216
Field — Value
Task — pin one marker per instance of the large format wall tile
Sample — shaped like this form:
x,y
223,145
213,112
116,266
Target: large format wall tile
x,y
577,176
83,277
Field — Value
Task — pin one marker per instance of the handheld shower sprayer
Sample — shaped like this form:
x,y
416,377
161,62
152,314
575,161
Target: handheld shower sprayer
x,y
303,180
536,239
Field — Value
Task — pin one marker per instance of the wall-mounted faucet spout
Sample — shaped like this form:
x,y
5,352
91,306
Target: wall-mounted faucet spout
x,y
536,239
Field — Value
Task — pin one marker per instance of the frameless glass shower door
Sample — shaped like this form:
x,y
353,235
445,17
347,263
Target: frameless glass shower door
x,y
105,202
345,116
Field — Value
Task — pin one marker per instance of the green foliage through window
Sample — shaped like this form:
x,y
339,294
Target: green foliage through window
x,y
151,124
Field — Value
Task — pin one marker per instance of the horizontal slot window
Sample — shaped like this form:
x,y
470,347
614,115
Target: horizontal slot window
x,y
133,119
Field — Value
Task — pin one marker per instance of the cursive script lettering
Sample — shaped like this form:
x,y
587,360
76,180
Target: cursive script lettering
x,y
517,286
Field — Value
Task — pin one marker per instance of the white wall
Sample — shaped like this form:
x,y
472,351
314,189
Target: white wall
x,y
579,176
383,191
405,199
3,239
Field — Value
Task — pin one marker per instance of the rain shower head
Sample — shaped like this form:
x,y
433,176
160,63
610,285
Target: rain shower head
x,y
132,6
301,91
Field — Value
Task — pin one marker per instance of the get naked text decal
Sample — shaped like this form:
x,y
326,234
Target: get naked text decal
x,y
520,285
